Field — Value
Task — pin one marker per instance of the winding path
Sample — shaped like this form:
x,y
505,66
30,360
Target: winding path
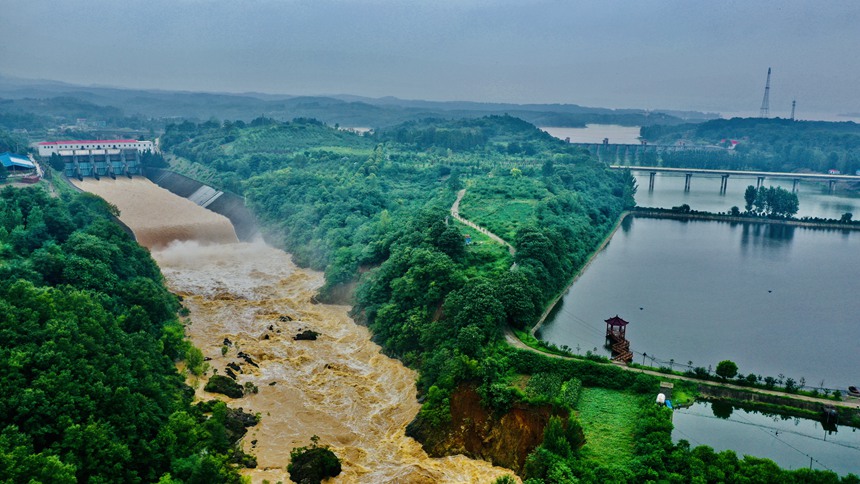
x,y
455,212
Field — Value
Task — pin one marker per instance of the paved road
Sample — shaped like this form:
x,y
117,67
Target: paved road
x,y
455,212
848,402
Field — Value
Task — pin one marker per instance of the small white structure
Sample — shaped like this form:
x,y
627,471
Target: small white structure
x,y
661,399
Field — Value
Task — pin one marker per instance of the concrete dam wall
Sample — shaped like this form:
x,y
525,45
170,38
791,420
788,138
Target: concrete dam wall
x,y
227,204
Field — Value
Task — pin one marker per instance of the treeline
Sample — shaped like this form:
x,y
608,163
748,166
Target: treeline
x,y
43,114
233,151
88,340
12,143
492,134
764,144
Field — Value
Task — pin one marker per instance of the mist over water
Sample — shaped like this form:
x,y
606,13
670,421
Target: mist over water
x,y
339,387
158,216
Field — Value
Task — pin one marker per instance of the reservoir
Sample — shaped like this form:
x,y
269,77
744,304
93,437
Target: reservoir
x,y
792,443
595,133
704,195
777,300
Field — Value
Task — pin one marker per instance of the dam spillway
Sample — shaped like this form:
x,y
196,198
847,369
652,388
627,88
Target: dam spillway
x,y
339,387
156,216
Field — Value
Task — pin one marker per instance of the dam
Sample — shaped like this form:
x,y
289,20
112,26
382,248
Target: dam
x,y
339,387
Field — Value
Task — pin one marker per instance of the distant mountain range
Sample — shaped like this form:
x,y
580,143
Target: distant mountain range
x,y
40,98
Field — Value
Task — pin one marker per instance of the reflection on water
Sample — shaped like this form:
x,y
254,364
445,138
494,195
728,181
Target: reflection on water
x,y
339,387
791,442
704,195
774,299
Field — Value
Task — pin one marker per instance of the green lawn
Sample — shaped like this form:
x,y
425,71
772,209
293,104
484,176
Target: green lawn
x,y
484,254
607,418
501,216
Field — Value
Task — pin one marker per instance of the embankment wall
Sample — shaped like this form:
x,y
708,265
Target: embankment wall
x,y
227,204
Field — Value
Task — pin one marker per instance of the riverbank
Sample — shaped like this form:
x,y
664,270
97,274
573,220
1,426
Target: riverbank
x,y
576,276
849,408
249,300
646,212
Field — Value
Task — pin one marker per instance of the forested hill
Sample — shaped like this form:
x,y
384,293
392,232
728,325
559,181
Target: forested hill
x,y
376,209
767,144
503,134
325,191
88,339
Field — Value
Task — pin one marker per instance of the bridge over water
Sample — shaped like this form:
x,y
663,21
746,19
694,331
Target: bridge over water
x,y
634,153
725,174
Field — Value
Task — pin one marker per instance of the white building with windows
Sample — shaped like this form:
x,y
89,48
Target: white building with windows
x,y
48,148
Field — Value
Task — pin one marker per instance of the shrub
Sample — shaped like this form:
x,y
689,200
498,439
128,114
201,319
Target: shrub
x,y
310,465
224,385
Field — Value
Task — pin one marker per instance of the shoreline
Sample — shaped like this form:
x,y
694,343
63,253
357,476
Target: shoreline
x,y
579,273
656,213
646,212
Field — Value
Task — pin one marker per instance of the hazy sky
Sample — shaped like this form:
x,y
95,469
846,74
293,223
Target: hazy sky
x,y
688,54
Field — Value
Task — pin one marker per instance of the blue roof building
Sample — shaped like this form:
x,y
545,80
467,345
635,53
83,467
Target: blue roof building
x,y
13,161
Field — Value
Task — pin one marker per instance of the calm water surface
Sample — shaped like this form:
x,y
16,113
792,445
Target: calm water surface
x,y
594,133
774,299
815,199
790,442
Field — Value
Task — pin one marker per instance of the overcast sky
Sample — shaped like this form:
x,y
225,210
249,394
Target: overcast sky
x,y
707,55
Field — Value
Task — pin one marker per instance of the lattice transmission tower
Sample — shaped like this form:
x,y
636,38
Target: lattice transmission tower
x,y
765,103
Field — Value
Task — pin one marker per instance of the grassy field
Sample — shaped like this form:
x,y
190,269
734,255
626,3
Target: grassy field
x,y
484,254
502,204
502,217
608,418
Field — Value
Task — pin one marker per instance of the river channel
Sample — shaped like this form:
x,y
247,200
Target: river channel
x,y
339,387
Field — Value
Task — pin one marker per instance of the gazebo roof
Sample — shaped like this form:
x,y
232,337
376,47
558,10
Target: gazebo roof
x,y
616,321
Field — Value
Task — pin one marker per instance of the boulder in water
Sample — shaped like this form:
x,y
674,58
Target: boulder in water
x,y
224,385
307,334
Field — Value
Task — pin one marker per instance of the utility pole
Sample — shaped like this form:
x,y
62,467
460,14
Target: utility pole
x,y
793,103
765,103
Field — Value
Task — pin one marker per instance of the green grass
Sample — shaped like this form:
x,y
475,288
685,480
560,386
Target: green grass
x,y
538,344
484,255
684,392
501,216
502,204
608,418
193,170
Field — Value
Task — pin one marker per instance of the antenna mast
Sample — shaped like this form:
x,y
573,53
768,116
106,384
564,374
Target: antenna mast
x,y
765,103
793,103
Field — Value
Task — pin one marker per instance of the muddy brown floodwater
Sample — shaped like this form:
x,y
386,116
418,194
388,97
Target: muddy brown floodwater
x,y
339,387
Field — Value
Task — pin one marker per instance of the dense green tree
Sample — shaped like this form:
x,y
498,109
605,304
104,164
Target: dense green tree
x,y
727,369
312,464
88,339
749,197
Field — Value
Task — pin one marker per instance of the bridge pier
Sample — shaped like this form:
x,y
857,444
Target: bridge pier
x,y
832,184
688,177
794,185
651,181
759,181
724,184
